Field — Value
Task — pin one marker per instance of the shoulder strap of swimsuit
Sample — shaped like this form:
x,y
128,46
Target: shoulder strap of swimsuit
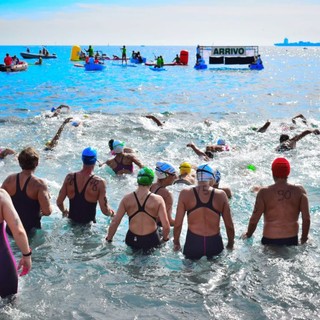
x,y
156,191
199,202
211,204
85,186
25,185
138,203
75,183
18,183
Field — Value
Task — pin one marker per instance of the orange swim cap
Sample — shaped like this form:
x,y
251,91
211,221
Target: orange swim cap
x,y
280,168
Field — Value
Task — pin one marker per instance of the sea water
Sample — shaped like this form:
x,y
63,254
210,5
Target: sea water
x,y
76,274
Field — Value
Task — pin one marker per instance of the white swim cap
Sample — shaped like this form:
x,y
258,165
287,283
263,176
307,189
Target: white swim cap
x,y
118,146
163,169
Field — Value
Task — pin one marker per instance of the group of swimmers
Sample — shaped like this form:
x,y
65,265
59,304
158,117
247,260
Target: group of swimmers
x,y
25,199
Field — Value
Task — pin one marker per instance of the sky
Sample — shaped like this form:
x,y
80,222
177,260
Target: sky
x,y
165,22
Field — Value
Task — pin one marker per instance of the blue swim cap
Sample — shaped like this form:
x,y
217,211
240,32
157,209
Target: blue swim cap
x,y
53,109
221,142
89,156
205,173
217,176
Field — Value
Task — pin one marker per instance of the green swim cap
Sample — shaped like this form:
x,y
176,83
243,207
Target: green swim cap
x,y
251,167
145,176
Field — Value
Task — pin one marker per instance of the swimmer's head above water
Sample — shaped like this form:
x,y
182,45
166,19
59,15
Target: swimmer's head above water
x,y
145,176
89,156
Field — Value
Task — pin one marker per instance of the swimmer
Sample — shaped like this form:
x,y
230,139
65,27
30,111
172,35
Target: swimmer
x,y
210,149
215,183
5,152
53,143
187,174
281,212
29,194
57,111
166,175
8,270
123,162
143,209
204,206
125,149
156,120
287,143
84,190
267,124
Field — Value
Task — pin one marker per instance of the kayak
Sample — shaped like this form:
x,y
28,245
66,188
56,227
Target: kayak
x,y
157,69
28,55
21,66
138,61
94,66
166,64
200,66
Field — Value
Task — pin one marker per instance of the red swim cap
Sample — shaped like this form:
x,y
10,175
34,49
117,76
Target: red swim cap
x,y
280,168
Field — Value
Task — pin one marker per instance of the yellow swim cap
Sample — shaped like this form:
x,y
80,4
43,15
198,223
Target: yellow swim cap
x,y
48,143
185,167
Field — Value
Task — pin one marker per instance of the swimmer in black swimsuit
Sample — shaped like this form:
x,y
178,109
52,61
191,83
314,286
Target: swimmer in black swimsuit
x,y
203,236
143,233
84,190
29,194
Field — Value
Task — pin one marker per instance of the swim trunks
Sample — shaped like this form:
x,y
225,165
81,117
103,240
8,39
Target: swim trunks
x,y
8,271
293,241
197,246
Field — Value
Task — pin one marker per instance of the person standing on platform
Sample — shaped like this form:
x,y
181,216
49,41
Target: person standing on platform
x,y
124,54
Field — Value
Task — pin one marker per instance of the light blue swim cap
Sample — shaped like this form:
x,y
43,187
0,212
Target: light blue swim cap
x,y
205,173
163,169
89,156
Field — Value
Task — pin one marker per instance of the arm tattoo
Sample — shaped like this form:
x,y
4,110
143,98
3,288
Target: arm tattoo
x,y
70,179
94,185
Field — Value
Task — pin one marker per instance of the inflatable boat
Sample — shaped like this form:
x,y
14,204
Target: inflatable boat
x,y
21,66
94,66
138,61
256,66
154,68
28,55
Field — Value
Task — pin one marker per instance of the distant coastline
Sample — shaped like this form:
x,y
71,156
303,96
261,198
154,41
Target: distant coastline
x,y
286,43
